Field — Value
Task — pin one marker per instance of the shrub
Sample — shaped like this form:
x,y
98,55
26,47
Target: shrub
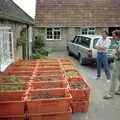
x,y
36,55
39,48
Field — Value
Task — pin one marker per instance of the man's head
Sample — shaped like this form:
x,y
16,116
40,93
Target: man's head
x,y
104,34
116,34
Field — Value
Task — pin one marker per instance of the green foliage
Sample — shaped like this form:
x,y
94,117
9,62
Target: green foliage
x,y
71,74
39,48
11,87
39,41
13,79
36,55
44,51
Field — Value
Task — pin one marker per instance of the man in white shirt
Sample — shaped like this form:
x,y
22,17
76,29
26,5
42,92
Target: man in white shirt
x,y
102,46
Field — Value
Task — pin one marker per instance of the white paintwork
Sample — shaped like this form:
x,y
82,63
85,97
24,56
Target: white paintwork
x,y
6,48
82,50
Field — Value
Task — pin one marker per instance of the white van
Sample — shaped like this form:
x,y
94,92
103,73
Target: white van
x,y
83,46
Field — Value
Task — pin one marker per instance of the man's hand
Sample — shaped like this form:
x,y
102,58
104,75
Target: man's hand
x,y
100,48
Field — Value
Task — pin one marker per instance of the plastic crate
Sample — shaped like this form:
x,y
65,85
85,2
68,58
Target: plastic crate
x,y
25,78
21,68
72,73
18,73
48,68
13,117
65,60
11,103
48,78
48,62
80,106
44,105
68,67
50,72
52,116
52,65
80,94
49,85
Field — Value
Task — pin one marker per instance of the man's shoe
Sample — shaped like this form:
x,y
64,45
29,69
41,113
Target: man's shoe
x,y
117,93
108,81
108,96
97,78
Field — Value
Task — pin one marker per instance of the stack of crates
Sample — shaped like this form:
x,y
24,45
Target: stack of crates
x,y
50,89
78,87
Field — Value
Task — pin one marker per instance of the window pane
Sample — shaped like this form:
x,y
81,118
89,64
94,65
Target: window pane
x,y
56,34
84,31
91,28
56,28
49,33
91,31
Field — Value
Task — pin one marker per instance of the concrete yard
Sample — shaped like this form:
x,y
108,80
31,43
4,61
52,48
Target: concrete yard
x,y
99,109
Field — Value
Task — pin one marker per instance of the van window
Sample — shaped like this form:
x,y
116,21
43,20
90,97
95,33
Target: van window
x,y
95,42
79,40
85,41
96,39
75,39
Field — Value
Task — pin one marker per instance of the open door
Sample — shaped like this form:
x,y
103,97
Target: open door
x,y
111,29
6,48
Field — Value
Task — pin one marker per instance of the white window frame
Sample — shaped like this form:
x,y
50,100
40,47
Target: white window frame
x,y
53,30
88,29
6,48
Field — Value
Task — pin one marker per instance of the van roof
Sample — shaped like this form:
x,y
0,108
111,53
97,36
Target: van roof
x,y
93,36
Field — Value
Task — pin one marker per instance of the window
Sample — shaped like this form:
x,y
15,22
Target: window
x,y
88,31
53,33
85,41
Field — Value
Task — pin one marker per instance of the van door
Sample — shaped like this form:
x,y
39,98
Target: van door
x,y
94,50
84,46
73,46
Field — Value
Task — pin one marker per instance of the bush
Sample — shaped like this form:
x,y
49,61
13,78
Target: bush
x,y
39,41
39,48
36,56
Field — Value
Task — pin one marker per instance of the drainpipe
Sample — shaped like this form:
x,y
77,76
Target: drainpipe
x,y
27,43
30,36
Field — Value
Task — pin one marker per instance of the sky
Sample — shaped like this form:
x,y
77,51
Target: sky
x,y
27,5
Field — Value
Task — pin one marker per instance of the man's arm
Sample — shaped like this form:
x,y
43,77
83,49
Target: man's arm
x,y
118,50
106,46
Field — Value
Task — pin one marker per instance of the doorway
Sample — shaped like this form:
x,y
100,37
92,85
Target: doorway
x,y
111,29
6,48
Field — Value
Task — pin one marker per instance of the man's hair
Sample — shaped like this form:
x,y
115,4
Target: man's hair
x,y
117,33
104,31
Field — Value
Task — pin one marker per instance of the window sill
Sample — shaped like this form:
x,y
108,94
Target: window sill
x,y
53,39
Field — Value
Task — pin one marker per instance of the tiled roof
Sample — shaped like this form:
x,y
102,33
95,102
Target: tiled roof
x,y
10,11
75,13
